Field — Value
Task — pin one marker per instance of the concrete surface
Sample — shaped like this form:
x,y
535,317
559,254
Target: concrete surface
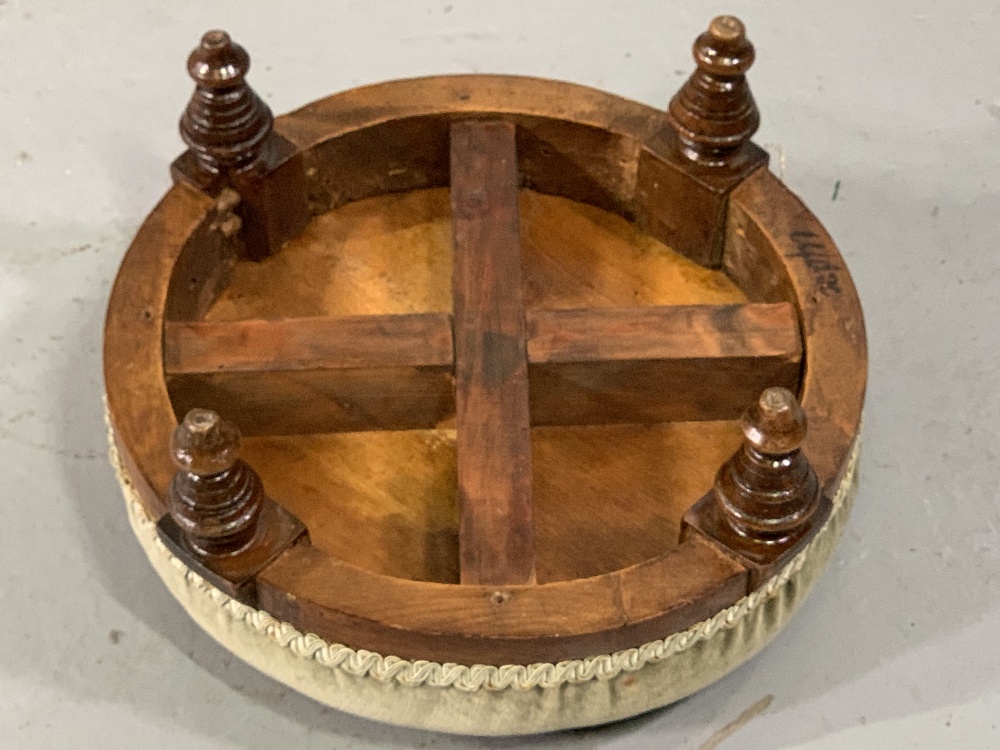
x,y
895,102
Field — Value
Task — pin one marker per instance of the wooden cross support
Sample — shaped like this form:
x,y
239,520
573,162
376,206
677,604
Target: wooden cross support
x,y
603,551
492,366
493,443
393,372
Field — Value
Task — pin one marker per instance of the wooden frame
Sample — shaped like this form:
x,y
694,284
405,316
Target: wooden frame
x,y
571,141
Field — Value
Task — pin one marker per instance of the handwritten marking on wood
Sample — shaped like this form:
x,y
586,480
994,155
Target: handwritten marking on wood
x,y
814,253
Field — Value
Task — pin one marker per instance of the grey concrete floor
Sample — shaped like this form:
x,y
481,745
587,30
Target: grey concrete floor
x,y
884,117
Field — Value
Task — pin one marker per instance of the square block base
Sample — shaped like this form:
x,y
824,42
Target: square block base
x,y
277,530
761,559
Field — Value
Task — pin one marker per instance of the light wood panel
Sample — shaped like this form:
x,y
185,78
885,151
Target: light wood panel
x,y
385,502
392,254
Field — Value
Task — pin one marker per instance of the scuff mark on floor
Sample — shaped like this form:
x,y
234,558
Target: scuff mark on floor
x,y
738,723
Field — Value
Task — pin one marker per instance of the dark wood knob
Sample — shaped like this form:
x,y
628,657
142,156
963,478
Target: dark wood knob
x,y
215,498
767,491
225,122
776,424
714,113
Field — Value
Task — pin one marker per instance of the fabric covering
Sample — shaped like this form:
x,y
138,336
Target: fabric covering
x,y
489,700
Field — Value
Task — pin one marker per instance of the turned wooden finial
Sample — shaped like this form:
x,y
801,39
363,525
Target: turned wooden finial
x,y
768,491
215,498
225,122
714,113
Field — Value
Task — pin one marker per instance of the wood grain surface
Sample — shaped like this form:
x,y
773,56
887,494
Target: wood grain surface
x,y
608,498
493,431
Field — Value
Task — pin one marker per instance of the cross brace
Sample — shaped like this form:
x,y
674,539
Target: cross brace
x,y
492,366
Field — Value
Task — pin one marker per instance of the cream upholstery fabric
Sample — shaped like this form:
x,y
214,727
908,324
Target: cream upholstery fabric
x,y
486,700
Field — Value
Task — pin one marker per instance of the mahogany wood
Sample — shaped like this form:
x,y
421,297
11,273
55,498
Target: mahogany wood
x,y
588,164
524,624
215,497
603,366
202,272
493,444
274,205
766,502
225,123
771,246
712,118
385,501
229,132
315,374
314,343
220,520
138,402
776,249
714,113
290,402
647,365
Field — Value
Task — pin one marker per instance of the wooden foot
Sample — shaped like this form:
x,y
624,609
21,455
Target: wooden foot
x,y
682,201
714,113
230,135
766,503
220,522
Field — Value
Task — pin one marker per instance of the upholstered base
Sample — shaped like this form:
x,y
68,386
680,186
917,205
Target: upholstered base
x,y
487,700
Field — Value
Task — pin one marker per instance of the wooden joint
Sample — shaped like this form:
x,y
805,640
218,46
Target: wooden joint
x,y
766,503
229,131
684,204
219,520
688,169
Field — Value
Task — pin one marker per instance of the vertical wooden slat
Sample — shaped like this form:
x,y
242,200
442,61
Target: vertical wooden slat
x,y
491,366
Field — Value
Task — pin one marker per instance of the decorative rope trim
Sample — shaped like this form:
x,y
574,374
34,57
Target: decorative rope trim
x,y
361,663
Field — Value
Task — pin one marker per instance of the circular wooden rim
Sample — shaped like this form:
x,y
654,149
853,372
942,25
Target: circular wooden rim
x,y
774,247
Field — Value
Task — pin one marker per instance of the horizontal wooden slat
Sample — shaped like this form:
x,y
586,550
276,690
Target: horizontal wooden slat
x,y
300,375
598,366
311,401
669,333
658,364
363,341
